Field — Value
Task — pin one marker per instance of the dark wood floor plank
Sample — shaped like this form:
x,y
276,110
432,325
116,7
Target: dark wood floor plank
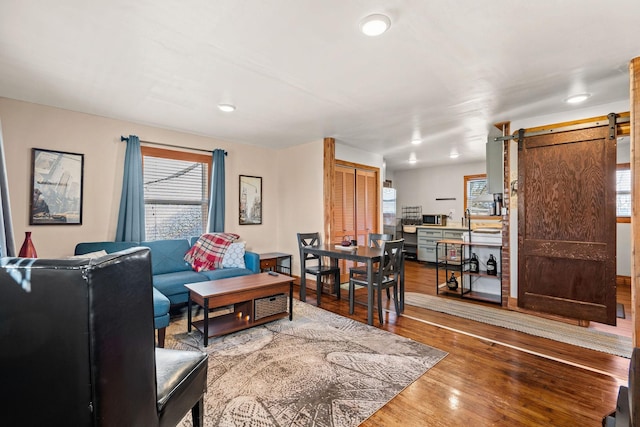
x,y
492,376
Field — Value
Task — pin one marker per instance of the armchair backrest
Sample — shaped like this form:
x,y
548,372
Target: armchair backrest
x,y
78,340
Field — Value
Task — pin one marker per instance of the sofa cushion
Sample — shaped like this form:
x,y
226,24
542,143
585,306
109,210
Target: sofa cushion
x,y
110,247
207,253
167,256
160,309
223,273
172,284
234,256
91,255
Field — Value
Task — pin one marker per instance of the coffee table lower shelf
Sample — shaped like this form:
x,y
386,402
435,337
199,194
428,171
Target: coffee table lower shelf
x,y
229,323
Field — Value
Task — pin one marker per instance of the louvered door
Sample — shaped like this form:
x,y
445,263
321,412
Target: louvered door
x,y
356,207
344,203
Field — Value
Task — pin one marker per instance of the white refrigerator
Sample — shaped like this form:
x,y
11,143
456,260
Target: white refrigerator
x,y
389,221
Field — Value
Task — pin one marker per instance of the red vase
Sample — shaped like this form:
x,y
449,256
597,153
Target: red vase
x,y
28,250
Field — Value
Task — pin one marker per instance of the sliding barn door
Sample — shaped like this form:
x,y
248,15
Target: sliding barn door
x,y
566,224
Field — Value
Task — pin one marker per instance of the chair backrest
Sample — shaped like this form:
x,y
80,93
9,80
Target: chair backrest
x,y
375,239
392,256
308,239
77,340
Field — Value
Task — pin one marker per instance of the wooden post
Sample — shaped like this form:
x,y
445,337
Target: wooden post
x,y
329,177
634,93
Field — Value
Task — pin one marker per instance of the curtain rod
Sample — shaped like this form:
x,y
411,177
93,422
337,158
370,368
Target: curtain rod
x,y
125,138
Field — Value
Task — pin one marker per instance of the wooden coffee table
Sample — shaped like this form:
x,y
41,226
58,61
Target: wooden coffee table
x,y
256,299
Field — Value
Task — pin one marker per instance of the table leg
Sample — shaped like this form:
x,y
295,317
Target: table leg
x,y
189,313
370,291
303,277
291,301
401,296
206,322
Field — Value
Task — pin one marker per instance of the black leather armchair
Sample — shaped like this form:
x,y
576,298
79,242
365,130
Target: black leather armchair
x,y
627,412
78,347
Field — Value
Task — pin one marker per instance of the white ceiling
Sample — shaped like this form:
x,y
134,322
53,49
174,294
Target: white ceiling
x,y
299,70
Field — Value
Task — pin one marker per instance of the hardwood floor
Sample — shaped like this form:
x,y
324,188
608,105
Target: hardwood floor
x,y
491,376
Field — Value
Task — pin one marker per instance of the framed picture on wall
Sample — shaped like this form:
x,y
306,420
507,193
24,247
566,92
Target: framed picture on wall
x,y
250,200
56,187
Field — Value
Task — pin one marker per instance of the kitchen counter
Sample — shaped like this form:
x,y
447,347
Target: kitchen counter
x,y
443,227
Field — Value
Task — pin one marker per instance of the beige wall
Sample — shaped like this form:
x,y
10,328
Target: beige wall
x,y
300,196
26,126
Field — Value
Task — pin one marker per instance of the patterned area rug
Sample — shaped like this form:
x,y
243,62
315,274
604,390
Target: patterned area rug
x,y
320,369
532,325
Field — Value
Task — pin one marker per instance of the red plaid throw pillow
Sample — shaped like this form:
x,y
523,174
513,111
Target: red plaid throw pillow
x,y
208,252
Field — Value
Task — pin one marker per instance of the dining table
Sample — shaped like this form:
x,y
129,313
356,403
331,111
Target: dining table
x,y
370,256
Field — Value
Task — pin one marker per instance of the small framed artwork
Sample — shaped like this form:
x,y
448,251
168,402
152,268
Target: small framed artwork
x,y
56,187
250,200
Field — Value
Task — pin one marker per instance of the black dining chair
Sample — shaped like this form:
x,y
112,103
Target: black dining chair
x,y
387,275
320,269
374,241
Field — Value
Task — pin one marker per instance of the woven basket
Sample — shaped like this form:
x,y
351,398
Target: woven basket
x,y
268,306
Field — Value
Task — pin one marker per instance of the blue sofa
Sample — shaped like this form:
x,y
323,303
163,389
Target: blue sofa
x,y
171,272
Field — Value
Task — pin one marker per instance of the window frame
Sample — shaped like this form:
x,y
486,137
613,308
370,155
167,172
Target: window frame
x,y
622,219
468,178
187,156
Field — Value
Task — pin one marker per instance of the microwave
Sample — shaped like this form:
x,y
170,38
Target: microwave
x,y
434,219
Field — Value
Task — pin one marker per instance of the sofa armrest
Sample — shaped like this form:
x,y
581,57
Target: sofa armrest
x,y
252,261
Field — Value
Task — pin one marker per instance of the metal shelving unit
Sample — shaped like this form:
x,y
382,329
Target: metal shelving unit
x,y
411,216
454,257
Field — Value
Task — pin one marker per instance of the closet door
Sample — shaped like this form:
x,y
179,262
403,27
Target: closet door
x,y
356,208
367,211
344,203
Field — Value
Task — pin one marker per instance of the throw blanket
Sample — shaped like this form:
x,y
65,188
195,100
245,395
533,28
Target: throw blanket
x,y
208,252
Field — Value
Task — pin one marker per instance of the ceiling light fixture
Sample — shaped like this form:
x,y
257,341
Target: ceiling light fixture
x,y
374,25
412,158
227,108
416,141
454,155
578,98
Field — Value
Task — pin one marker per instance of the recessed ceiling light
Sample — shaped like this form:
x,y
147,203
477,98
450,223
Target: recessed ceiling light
x,y
578,98
454,155
374,25
412,161
227,108
412,158
416,141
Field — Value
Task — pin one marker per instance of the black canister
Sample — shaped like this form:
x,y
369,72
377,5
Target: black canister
x,y
452,282
492,266
474,264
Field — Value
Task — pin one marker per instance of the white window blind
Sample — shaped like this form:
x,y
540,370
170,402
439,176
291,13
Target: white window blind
x,y
479,202
623,192
176,197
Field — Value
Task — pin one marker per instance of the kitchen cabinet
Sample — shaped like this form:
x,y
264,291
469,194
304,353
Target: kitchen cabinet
x,y
428,238
454,261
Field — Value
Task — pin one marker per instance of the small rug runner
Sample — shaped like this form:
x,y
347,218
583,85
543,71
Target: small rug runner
x,y
320,369
532,325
